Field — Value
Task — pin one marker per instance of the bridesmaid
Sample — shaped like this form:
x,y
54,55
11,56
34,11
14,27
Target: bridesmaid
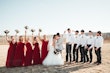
x,y
19,53
44,50
11,52
28,57
36,52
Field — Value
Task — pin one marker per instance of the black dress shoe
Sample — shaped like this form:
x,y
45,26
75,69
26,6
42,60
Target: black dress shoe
x,y
76,61
98,63
73,60
84,62
90,62
87,60
80,61
66,61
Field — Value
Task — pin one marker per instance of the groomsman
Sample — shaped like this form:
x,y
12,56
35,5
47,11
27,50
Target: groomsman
x,y
83,40
69,38
89,47
76,40
98,46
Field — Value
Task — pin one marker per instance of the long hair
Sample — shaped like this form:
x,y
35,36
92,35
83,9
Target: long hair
x,y
20,38
54,36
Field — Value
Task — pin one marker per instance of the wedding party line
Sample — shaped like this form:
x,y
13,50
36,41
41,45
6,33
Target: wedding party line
x,y
25,53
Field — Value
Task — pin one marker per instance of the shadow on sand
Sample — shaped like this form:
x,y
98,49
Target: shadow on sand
x,y
47,69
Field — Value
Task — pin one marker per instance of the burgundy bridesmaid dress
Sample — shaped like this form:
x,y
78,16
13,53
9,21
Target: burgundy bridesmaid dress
x,y
28,57
44,50
10,55
36,54
19,55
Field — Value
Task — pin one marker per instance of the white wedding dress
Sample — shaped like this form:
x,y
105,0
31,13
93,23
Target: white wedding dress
x,y
53,59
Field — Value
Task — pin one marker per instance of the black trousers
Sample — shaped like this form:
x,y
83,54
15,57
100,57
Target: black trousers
x,y
75,53
82,52
98,54
86,55
68,51
90,53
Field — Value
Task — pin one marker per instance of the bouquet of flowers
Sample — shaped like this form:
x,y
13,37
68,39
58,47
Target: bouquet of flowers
x,y
40,30
57,51
6,32
17,31
26,27
32,30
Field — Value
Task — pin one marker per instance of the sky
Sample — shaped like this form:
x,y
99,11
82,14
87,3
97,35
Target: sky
x,y
54,16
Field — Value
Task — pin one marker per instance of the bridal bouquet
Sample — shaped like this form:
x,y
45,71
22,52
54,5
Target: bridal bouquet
x,y
40,30
57,51
6,32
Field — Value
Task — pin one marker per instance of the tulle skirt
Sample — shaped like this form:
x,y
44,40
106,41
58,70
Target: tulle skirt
x,y
53,59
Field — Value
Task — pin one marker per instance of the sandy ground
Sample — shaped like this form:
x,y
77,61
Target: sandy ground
x,y
67,68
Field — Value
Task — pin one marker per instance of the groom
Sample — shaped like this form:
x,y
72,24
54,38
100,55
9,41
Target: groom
x,y
59,43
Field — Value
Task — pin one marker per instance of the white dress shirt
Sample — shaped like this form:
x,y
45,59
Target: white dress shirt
x,y
69,37
83,40
76,40
90,41
98,41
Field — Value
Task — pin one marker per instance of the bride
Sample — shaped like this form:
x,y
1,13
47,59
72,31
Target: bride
x,y
52,58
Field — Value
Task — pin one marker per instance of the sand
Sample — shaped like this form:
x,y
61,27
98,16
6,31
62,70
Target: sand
x,y
67,68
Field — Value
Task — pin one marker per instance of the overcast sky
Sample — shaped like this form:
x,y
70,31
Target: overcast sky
x,y
54,15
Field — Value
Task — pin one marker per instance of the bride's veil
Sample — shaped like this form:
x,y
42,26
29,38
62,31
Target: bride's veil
x,y
50,42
